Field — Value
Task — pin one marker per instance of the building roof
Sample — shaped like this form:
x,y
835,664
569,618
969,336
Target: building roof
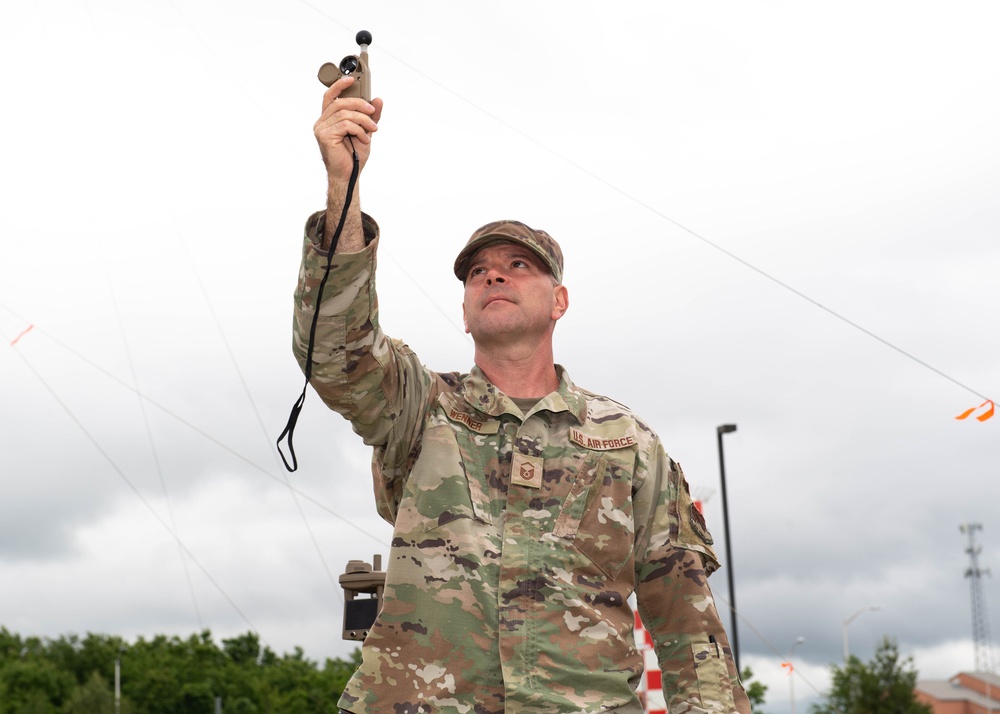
x,y
944,691
950,690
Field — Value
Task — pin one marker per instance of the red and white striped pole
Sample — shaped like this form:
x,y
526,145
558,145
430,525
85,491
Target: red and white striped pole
x,y
651,687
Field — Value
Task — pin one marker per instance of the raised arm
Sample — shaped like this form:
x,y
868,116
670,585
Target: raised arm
x,y
345,125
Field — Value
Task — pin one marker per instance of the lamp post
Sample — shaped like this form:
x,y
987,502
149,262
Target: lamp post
x,y
851,619
118,678
118,684
734,636
791,670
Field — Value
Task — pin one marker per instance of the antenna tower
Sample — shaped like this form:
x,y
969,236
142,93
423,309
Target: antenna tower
x,y
980,624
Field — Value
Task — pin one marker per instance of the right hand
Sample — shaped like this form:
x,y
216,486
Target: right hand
x,y
343,117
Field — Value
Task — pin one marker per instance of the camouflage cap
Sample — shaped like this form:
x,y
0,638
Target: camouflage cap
x,y
540,243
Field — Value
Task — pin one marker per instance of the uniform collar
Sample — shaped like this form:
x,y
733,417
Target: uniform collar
x,y
485,397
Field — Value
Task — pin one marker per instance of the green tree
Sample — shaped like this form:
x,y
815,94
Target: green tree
x,y
197,698
165,675
10,646
33,684
81,658
296,686
243,649
755,690
95,697
883,686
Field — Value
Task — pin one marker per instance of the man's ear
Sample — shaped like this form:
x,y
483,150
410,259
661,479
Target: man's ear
x,y
561,301
465,321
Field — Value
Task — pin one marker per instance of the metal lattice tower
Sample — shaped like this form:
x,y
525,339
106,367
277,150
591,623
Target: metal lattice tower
x,y
980,623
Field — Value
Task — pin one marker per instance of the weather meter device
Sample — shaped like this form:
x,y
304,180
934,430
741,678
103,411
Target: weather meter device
x,y
352,66
363,585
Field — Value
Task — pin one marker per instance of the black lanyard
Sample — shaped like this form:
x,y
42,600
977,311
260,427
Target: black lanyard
x,y
293,417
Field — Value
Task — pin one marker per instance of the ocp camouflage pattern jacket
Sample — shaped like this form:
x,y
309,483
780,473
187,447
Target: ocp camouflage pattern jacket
x,y
518,538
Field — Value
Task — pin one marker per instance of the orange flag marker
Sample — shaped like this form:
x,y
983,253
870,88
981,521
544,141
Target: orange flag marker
x,y
23,333
981,417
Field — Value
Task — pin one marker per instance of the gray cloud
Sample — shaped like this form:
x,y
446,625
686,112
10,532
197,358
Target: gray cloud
x,y
152,230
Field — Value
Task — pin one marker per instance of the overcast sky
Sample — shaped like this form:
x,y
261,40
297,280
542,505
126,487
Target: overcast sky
x,y
745,194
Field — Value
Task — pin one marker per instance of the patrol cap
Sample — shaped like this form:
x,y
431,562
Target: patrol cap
x,y
539,242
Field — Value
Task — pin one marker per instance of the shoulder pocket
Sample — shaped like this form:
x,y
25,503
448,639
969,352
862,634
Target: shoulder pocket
x,y
692,531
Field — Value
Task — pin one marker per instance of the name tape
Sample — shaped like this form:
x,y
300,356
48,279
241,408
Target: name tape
x,y
480,426
603,443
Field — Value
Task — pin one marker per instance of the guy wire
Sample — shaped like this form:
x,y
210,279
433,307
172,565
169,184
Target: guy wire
x,y
660,214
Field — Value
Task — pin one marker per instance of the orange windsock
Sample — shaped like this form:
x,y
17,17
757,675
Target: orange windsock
x,y
981,417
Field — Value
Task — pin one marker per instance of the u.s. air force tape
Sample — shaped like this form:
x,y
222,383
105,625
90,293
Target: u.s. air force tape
x,y
604,442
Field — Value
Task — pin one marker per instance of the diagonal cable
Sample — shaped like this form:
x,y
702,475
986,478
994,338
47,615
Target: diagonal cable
x,y
252,401
766,642
656,212
149,437
201,432
128,482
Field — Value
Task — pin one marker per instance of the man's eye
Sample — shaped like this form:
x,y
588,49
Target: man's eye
x,y
477,271
519,264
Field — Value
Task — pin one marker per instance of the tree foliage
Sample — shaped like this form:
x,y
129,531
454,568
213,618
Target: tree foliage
x,y
883,686
755,690
164,675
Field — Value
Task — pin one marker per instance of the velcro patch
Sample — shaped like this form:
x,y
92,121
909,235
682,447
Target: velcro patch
x,y
474,423
526,470
604,442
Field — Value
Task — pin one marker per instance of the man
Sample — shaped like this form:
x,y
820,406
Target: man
x,y
526,511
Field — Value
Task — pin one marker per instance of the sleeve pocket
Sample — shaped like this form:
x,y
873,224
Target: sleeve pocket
x,y
714,683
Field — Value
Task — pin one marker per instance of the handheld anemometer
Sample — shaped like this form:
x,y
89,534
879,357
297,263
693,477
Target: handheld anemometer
x,y
352,66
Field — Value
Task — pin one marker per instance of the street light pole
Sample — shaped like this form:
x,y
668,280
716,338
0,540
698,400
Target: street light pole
x,y
851,619
734,636
791,670
118,679
118,685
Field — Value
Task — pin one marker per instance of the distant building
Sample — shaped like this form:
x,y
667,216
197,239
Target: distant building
x,y
965,693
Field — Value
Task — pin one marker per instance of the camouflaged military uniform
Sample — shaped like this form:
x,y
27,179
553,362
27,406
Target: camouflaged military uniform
x,y
518,537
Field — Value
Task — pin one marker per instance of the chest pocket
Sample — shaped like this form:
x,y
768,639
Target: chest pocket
x,y
448,481
597,513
